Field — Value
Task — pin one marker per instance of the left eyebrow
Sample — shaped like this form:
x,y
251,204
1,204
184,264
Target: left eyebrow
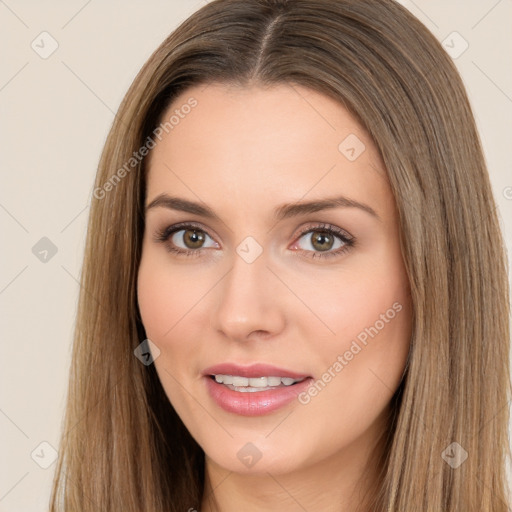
x,y
302,208
282,212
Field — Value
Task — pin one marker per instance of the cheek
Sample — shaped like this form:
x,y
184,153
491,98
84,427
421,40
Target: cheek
x,y
360,367
370,308
354,302
173,301
167,295
369,314
157,303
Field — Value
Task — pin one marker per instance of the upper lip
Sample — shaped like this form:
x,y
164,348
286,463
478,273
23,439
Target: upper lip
x,y
253,370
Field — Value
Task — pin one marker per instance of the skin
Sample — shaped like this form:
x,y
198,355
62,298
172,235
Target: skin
x,y
244,152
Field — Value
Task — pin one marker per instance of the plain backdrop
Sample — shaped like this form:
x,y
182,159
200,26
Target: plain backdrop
x,y
56,110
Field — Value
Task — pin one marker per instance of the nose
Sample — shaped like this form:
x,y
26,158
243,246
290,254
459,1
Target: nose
x,y
249,304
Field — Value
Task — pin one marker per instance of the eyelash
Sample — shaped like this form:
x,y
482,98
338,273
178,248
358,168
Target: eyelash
x,y
163,235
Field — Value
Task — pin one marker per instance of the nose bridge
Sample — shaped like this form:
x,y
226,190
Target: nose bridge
x,y
245,284
246,299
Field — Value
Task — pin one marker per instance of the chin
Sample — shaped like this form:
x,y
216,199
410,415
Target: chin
x,y
257,457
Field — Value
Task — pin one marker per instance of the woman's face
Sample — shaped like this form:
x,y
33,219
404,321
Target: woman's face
x,y
271,255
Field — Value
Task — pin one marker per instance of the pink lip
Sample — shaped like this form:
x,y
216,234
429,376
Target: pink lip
x,y
253,403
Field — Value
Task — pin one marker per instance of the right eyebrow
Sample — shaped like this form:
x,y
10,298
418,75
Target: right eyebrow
x,y
183,205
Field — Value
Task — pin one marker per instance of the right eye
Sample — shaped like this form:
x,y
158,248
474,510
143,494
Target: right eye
x,y
185,239
191,239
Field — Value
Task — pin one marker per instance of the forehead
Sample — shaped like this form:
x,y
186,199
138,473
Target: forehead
x,y
254,146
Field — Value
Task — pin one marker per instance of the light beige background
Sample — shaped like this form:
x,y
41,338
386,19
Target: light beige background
x,y
55,115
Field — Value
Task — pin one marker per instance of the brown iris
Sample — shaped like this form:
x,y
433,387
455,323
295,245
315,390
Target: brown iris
x,y
321,240
193,238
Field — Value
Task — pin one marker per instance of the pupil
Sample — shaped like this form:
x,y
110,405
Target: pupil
x,y
322,241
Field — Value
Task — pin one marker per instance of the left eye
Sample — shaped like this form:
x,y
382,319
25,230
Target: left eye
x,y
191,239
320,240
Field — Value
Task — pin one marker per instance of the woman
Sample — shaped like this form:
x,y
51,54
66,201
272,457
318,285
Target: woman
x,y
294,292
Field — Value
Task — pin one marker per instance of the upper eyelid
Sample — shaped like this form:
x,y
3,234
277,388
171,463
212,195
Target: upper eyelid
x,y
173,228
322,226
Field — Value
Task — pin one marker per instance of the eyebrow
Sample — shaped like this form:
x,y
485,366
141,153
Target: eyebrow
x,y
282,212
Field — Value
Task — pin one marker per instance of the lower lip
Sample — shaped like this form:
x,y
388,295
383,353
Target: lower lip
x,y
254,403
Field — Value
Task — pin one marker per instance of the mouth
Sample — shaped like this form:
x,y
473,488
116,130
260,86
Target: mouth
x,y
254,384
253,390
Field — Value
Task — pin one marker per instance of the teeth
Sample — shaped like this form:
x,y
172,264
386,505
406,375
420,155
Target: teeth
x,y
259,382
240,381
255,382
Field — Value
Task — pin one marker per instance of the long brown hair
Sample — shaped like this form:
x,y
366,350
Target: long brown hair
x,y
123,446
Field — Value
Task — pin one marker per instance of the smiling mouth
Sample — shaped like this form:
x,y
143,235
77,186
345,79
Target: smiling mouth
x,y
254,390
254,384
